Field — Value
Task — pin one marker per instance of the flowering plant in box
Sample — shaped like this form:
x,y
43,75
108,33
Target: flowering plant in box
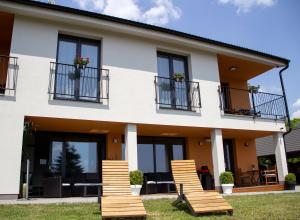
x,y
81,62
179,77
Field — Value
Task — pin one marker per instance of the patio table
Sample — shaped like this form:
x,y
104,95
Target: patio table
x,y
253,173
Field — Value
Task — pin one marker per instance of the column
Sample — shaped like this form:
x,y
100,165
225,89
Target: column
x,y
217,155
11,136
280,156
131,146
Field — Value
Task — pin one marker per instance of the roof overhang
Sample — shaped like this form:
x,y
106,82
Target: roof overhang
x,y
104,22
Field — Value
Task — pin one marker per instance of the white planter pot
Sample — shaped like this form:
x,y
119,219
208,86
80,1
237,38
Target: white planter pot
x,y
227,188
135,189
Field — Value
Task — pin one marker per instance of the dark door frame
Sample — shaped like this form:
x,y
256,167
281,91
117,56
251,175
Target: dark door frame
x,y
170,58
79,41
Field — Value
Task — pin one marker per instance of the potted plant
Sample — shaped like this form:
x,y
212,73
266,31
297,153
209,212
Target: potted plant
x,y
136,182
290,181
178,77
253,89
81,62
226,179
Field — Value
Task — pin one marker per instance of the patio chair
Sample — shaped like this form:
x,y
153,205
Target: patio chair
x,y
191,192
270,176
243,178
117,201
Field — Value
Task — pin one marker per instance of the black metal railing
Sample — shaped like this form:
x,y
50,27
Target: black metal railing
x,y
8,75
181,95
252,103
78,84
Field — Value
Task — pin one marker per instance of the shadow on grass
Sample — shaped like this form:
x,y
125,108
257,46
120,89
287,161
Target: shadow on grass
x,y
185,208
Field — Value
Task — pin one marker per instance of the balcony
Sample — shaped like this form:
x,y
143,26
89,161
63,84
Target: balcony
x,y
78,84
8,75
252,103
178,95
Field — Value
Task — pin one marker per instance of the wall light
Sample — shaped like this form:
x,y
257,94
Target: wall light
x,y
233,68
115,140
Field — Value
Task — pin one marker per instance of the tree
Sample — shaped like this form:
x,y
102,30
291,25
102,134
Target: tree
x,y
295,122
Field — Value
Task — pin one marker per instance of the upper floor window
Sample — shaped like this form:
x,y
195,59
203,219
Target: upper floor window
x,y
174,90
77,69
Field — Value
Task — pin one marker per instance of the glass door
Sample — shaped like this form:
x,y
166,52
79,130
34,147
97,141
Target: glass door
x,y
77,83
172,93
228,155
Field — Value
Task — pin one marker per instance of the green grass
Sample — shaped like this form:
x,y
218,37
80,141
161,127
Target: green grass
x,y
272,206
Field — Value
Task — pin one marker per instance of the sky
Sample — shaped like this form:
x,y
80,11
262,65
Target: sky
x,y
271,26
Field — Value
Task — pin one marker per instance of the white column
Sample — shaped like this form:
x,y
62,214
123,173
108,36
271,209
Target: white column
x,y
131,146
11,136
280,157
217,155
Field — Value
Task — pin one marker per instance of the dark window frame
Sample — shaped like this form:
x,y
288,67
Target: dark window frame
x,y
171,57
78,41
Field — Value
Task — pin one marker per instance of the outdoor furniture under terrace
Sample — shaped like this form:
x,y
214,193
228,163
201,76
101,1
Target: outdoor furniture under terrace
x,y
270,176
157,182
53,187
86,185
243,178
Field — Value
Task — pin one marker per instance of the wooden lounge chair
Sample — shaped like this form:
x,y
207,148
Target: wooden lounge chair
x,y
117,201
190,190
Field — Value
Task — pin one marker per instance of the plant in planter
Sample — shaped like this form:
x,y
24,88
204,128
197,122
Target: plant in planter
x,y
165,86
253,89
81,62
290,181
178,77
227,180
136,182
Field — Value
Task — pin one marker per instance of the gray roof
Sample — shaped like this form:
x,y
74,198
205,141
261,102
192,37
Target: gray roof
x,y
265,146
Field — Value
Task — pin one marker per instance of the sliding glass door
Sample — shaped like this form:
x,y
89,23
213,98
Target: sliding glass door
x,y
155,155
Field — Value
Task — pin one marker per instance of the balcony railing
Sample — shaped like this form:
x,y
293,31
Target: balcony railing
x,y
182,95
8,75
78,84
252,103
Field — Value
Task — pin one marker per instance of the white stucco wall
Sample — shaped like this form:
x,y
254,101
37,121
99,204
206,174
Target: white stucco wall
x,y
132,63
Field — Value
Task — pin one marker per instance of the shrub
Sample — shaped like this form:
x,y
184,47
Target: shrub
x,y
291,177
136,177
226,178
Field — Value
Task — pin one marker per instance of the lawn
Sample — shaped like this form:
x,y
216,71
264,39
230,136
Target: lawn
x,y
272,206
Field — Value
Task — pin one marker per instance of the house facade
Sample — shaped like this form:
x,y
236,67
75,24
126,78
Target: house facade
x,y
127,102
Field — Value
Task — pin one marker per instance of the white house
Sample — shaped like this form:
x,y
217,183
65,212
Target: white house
x,y
127,102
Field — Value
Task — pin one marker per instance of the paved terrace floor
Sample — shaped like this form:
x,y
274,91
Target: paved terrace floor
x,y
144,197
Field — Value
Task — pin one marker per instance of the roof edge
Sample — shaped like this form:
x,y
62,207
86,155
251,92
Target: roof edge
x,y
149,27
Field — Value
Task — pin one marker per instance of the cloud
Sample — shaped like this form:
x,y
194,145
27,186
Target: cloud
x,y
161,12
296,114
246,5
90,5
297,103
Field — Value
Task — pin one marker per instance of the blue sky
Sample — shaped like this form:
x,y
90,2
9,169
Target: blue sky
x,y
271,26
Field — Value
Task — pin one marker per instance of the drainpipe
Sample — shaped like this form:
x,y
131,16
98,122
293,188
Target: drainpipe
x,y
285,100
286,107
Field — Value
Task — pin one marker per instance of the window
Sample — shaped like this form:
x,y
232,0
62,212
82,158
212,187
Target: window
x,y
172,94
82,156
77,83
145,158
178,152
162,159
70,158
